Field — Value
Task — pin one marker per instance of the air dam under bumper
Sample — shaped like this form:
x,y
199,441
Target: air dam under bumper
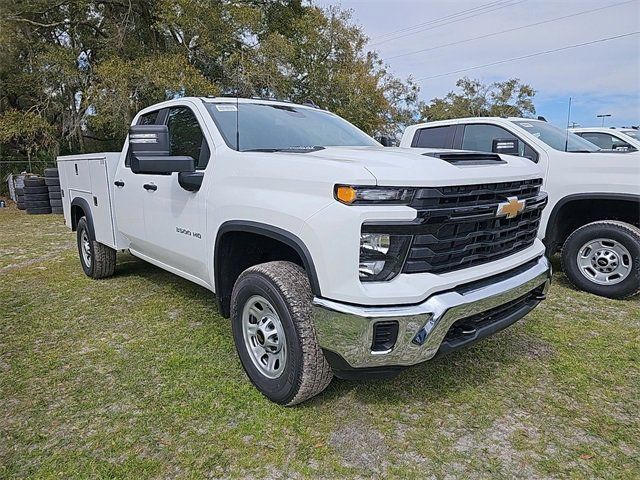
x,y
348,330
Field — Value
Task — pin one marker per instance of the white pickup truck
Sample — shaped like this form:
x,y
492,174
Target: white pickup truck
x,y
331,254
594,196
617,139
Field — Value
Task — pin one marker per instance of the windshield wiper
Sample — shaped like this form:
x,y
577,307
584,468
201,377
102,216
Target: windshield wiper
x,y
287,149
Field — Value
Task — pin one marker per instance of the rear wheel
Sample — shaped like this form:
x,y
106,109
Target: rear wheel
x,y
97,260
604,258
274,333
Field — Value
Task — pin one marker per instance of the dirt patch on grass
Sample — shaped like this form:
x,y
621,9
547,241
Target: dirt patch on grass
x,y
361,446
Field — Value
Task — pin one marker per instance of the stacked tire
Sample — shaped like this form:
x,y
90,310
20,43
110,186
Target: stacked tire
x,y
36,196
52,180
20,201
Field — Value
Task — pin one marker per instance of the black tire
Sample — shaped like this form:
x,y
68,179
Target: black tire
x,y
36,197
51,172
19,191
36,190
37,203
20,198
21,206
616,232
34,182
102,259
57,210
55,195
286,287
38,211
52,182
55,203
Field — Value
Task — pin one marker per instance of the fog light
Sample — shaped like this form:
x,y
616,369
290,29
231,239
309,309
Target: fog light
x,y
382,255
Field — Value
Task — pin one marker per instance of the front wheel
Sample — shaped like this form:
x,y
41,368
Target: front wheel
x,y
604,258
97,260
274,333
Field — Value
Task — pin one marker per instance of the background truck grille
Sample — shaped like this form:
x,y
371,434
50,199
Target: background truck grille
x,y
457,226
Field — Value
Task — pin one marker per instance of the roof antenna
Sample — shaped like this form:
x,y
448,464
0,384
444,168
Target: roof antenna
x,y
566,142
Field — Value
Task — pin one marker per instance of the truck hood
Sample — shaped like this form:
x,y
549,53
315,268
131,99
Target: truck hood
x,y
396,166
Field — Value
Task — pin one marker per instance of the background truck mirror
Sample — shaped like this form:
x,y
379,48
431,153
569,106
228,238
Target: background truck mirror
x,y
508,146
386,140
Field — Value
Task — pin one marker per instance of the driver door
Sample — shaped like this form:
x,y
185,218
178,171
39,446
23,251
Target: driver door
x,y
175,218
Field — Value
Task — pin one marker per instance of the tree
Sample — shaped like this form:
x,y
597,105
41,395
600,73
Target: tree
x,y
87,66
475,99
26,132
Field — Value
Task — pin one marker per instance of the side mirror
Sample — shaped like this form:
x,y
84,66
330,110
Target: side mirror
x,y
191,181
149,151
508,146
386,140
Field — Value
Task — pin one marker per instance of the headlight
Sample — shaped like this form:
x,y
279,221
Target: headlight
x,y
382,255
354,195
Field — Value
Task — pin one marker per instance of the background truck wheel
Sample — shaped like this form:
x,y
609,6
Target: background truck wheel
x,y
604,258
97,260
274,333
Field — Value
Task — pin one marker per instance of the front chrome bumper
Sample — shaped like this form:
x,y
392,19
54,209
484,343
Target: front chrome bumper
x,y
347,330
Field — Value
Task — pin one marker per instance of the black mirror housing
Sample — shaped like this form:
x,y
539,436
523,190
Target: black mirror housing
x,y
149,151
162,164
149,140
508,146
386,141
191,181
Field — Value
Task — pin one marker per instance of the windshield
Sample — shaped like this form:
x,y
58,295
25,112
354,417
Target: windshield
x,y
557,138
631,133
269,127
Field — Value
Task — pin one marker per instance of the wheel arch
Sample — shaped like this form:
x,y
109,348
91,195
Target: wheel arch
x,y
80,208
230,259
574,211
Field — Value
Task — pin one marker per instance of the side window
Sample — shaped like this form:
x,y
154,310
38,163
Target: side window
x,y
434,137
185,136
146,119
480,138
606,141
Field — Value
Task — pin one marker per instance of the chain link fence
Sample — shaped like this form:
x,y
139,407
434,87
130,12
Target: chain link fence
x,y
12,165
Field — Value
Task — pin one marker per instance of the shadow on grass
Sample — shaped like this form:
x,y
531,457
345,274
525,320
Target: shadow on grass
x,y
440,377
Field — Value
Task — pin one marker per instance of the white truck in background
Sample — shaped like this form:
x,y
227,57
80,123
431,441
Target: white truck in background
x,y
593,215
331,254
617,139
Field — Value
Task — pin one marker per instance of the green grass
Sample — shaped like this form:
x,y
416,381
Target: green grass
x,y
136,377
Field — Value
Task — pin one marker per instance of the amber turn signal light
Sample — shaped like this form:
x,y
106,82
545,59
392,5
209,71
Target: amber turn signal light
x,y
346,194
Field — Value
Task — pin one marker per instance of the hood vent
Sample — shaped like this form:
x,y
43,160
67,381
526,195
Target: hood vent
x,y
467,158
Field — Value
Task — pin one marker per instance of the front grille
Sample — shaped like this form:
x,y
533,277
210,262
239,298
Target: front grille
x,y
457,228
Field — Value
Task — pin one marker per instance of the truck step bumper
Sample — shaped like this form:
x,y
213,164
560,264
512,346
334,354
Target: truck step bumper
x,y
369,336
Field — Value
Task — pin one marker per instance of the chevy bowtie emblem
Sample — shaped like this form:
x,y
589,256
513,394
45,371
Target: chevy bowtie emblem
x,y
511,208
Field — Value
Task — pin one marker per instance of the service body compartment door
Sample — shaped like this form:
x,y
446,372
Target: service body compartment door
x,y
101,202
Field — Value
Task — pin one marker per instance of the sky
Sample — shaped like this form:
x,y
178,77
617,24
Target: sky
x,y
600,78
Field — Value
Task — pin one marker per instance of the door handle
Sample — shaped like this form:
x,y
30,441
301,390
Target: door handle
x,y
150,186
119,183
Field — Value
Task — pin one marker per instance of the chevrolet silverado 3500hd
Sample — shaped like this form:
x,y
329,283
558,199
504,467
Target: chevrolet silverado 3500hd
x,y
331,254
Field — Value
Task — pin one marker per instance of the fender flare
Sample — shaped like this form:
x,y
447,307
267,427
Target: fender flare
x,y
275,233
84,205
551,230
